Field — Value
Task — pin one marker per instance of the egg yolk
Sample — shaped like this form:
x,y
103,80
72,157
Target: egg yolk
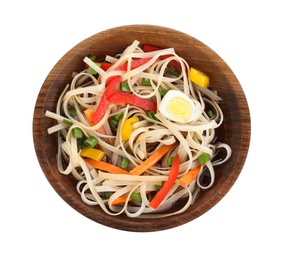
x,y
180,108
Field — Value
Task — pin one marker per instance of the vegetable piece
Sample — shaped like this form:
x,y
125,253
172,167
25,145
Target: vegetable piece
x,y
173,63
72,112
77,132
112,88
169,161
114,120
67,121
157,187
105,65
161,194
127,128
199,78
175,73
136,197
124,87
124,163
91,141
104,166
151,160
146,82
162,91
92,153
151,115
121,200
124,98
211,114
90,70
188,177
149,48
80,143
107,194
134,64
91,57
89,113
203,158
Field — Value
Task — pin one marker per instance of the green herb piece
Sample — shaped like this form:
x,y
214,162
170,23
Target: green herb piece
x,y
203,158
162,91
91,142
92,57
114,120
80,143
124,163
77,132
124,87
175,73
151,115
146,82
211,114
72,112
157,187
107,194
90,70
67,121
169,161
136,197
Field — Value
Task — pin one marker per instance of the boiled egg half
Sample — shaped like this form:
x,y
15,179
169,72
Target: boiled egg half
x,y
178,107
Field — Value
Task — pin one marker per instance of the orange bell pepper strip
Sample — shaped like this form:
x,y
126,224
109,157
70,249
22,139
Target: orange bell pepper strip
x,y
161,194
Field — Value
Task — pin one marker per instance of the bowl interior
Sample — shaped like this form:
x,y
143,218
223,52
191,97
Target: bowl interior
x,y
235,130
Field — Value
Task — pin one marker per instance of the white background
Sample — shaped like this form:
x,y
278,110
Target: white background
x,y
37,224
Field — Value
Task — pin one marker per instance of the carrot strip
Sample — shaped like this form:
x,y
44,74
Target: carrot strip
x,y
89,113
150,161
122,199
187,178
104,166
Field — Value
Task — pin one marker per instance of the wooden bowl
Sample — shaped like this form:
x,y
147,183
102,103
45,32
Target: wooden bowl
x,y
235,129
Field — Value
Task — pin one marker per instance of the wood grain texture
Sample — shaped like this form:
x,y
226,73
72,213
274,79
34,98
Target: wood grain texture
x,y
235,130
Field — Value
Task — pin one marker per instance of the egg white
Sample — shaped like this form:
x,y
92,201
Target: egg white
x,y
165,107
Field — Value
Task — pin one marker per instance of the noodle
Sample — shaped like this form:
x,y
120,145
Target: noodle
x,y
148,134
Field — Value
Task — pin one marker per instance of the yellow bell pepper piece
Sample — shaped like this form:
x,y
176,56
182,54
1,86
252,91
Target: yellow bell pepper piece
x,y
199,78
127,128
92,153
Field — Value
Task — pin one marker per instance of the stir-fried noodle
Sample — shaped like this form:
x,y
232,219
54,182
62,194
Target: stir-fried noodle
x,y
148,131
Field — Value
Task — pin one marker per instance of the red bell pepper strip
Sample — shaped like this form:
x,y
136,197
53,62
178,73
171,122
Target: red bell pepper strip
x,y
161,194
112,88
173,63
134,64
150,48
102,65
105,65
123,98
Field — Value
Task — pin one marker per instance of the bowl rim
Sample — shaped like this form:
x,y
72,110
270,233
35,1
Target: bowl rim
x,y
129,224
